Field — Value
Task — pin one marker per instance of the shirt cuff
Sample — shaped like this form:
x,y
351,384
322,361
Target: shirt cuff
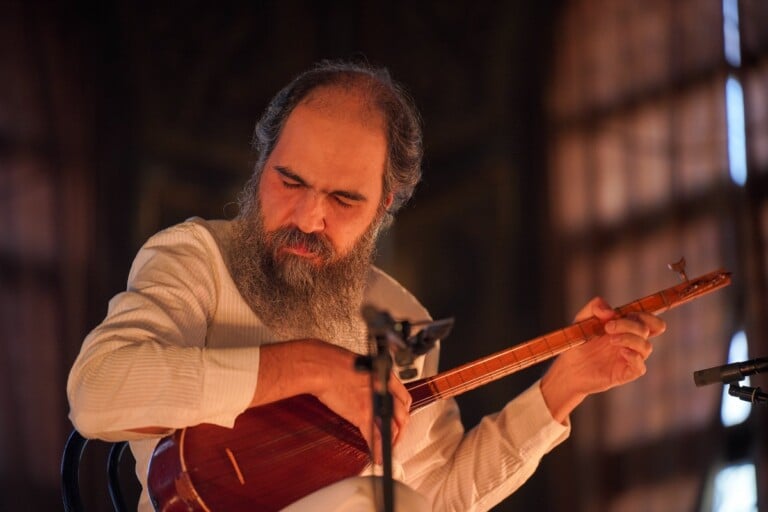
x,y
530,421
229,382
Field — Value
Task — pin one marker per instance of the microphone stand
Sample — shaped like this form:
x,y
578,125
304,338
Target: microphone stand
x,y
388,334
383,409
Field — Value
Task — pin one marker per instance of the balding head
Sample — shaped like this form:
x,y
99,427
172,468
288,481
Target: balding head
x,y
374,91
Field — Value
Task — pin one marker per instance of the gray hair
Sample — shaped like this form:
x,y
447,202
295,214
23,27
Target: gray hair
x,y
403,126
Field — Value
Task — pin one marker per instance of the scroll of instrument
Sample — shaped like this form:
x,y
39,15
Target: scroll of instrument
x,y
280,452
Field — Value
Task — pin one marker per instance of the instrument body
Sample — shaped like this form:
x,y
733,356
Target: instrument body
x,y
273,448
277,453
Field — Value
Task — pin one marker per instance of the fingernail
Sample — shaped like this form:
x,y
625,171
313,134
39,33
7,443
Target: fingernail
x,y
610,325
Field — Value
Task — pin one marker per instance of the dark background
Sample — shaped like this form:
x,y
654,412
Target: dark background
x,y
127,117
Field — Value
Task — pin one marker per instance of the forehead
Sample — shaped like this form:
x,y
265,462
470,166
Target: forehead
x,y
333,135
346,108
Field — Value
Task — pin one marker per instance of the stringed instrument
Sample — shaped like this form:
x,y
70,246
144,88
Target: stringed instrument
x,y
278,453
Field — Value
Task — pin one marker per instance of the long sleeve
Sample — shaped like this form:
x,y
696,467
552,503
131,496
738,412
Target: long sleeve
x,y
474,471
150,362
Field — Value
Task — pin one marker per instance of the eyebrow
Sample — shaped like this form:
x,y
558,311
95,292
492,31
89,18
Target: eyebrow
x,y
287,173
347,194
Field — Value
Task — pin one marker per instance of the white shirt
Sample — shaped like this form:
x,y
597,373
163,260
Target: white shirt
x,y
181,347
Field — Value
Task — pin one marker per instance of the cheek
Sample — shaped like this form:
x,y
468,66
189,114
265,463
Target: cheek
x,y
345,230
274,205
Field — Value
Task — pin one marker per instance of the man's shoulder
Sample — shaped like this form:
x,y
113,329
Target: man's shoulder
x,y
385,292
191,240
196,231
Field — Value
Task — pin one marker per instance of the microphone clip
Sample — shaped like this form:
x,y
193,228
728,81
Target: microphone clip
x,y
752,395
396,337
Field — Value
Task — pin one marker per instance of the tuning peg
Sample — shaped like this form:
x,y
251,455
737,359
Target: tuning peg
x,y
679,267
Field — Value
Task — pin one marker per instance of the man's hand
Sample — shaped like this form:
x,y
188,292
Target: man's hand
x,y
602,363
328,373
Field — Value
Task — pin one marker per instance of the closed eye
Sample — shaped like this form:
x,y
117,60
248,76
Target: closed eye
x,y
292,184
344,198
342,201
289,178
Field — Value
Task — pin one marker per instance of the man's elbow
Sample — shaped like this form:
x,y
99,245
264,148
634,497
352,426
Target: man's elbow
x,y
94,425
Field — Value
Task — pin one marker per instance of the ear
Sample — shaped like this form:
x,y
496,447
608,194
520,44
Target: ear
x,y
389,200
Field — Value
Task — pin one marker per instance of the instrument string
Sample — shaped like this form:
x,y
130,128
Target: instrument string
x,y
438,384
438,387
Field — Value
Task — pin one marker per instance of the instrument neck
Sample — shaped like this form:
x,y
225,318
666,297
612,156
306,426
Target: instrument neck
x,y
496,366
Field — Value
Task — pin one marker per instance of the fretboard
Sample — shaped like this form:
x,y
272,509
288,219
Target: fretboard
x,y
488,369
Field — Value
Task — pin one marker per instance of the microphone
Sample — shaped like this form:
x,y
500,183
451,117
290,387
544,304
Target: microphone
x,y
432,331
728,373
397,334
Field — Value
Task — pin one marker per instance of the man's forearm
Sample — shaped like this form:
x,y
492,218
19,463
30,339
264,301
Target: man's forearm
x,y
289,369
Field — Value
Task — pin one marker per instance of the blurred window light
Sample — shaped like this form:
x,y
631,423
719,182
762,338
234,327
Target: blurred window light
x,y
733,410
735,489
737,149
731,37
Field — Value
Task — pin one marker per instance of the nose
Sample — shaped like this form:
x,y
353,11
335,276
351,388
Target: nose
x,y
309,212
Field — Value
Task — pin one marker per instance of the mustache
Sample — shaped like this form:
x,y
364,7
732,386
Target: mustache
x,y
291,237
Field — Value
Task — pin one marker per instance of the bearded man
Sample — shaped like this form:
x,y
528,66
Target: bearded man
x,y
221,316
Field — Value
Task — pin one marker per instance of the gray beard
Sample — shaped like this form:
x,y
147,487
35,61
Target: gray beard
x,y
295,298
